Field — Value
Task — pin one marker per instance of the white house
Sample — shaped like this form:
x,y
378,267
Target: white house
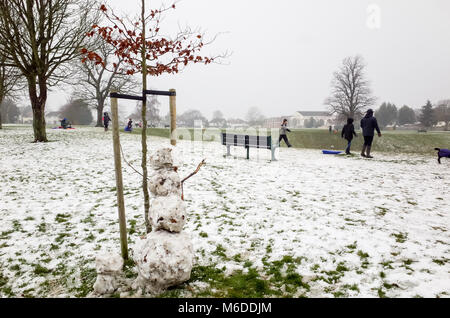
x,y
275,122
298,119
53,118
236,123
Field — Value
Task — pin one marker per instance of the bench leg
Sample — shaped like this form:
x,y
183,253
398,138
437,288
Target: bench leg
x,y
248,153
228,151
273,154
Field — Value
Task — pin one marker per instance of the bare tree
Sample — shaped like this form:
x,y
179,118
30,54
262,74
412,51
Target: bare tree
x,y
254,116
77,111
94,83
153,105
351,93
218,119
41,37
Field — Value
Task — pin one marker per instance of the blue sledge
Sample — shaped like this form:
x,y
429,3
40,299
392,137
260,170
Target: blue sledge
x,y
331,152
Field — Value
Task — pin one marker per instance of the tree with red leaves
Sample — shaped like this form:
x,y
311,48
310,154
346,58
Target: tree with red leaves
x,y
142,49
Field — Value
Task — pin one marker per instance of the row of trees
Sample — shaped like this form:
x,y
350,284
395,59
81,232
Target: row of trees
x,y
429,115
40,43
351,96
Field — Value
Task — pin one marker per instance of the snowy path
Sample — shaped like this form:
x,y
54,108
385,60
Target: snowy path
x,y
360,228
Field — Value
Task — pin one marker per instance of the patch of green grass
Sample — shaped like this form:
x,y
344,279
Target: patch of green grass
x,y
90,238
15,268
62,218
203,234
441,262
220,251
41,270
61,236
400,237
381,293
128,269
353,287
237,285
362,255
132,228
88,277
387,264
3,280
5,234
352,246
382,211
42,227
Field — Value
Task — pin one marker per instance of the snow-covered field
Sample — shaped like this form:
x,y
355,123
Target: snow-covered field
x,y
308,225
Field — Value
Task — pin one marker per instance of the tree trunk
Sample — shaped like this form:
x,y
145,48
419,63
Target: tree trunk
x,y
101,105
38,106
1,101
144,127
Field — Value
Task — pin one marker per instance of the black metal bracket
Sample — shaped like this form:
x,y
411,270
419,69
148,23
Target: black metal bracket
x,y
123,96
160,93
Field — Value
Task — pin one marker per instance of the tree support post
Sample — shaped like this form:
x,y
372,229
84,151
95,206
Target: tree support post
x,y
173,116
119,181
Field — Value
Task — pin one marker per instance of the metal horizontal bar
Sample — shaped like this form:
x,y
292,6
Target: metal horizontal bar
x,y
160,93
122,96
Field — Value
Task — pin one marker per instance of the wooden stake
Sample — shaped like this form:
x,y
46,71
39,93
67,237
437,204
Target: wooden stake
x,y
173,117
119,181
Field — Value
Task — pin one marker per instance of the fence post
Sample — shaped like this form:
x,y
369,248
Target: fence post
x,y
173,116
119,181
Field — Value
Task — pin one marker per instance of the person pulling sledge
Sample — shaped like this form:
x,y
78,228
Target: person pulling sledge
x,y
348,132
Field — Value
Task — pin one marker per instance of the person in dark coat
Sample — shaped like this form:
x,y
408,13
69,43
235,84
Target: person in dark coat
x,y
368,125
283,135
64,123
106,120
347,132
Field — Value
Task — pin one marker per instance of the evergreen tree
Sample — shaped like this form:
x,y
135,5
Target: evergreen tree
x,y
387,114
427,118
406,115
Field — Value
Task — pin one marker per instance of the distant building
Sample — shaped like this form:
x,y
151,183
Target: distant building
x,y
235,123
53,118
298,119
275,122
27,116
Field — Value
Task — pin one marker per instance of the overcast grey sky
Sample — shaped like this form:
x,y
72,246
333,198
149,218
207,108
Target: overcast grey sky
x,y
285,52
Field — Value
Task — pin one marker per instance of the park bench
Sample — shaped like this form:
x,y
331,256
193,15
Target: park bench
x,y
247,141
422,131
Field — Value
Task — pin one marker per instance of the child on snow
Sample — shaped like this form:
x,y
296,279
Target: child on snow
x,y
283,131
129,126
347,132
